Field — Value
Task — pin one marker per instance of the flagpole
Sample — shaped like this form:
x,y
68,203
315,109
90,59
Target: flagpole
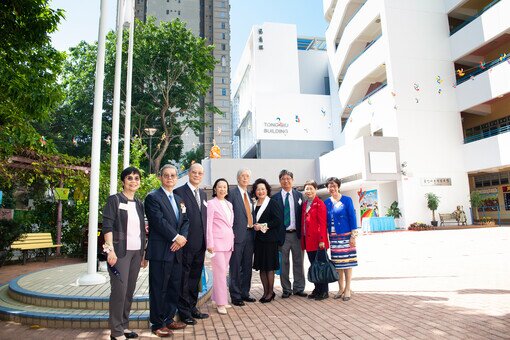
x,y
129,80
92,277
116,100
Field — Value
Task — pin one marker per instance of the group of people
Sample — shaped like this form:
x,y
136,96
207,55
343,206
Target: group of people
x,y
239,230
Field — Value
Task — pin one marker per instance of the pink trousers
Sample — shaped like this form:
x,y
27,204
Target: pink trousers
x,y
220,269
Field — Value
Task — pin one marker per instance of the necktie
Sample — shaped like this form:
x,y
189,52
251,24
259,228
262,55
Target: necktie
x,y
174,205
247,208
197,198
286,211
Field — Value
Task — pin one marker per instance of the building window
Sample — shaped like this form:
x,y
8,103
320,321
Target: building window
x,y
178,12
223,92
223,25
223,36
223,61
223,47
223,80
222,14
167,12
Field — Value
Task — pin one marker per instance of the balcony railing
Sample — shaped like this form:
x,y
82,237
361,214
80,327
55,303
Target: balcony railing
x,y
470,19
374,91
364,50
480,69
487,134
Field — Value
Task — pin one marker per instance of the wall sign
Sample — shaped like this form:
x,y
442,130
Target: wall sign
x,y
436,181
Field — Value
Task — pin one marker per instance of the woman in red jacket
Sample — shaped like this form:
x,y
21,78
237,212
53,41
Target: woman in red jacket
x,y
314,232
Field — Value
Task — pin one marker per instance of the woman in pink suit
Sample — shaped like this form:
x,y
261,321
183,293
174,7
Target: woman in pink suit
x,y
220,241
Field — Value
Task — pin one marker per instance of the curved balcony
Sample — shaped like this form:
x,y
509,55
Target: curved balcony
x,y
483,87
368,68
328,7
343,12
486,26
362,31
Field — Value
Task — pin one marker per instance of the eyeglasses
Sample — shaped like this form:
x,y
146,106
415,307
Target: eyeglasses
x,y
133,178
167,176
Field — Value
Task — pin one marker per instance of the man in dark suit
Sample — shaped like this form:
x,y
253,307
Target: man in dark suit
x,y
241,260
168,230
290,200
193,254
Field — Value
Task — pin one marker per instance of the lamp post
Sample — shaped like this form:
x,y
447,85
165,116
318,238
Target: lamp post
x,y
150,132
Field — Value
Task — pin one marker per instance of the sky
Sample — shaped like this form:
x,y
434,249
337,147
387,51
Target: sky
x,y
82,20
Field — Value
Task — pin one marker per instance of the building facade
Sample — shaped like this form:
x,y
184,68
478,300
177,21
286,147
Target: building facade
x,y
211,20
282,103
424,103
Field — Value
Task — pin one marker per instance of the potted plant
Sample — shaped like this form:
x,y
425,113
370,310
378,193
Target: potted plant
x,y
432,204
394,211
476,200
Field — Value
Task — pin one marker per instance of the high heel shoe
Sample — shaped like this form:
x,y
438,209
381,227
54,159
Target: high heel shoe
x,y
270,299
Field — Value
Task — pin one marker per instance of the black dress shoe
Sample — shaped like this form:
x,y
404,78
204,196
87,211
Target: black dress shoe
x,y
301,293
197,315
285,295
238,303
131,335
322,296
313,295
249,299
189,321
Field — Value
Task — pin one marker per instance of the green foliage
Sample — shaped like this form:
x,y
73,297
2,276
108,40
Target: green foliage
x,y
432,203
10,230
29,67
394,210
476,199
192,156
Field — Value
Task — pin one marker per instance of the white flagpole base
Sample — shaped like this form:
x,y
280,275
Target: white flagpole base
x,y
91,279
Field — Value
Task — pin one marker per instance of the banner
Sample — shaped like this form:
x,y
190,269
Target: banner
x,y
368,204
61,194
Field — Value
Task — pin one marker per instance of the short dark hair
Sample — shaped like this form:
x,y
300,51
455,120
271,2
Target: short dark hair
x,y
332,180
311,182
256,183
285,172
128,171
216,184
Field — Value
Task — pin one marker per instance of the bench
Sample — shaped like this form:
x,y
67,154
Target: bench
x,y
447,218
32,241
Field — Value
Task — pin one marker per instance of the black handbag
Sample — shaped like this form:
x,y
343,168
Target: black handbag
x,y
322,269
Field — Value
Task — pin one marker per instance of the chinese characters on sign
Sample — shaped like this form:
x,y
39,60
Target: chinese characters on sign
x,y
436,181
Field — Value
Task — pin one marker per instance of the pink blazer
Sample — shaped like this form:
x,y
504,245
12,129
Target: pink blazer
x,y
220,235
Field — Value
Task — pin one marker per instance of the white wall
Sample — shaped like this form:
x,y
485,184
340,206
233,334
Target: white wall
x,y
313,68
276,117
488,153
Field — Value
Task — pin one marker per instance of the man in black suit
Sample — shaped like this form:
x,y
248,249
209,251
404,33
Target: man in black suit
x,y
168,230
241,260
290,200
193,254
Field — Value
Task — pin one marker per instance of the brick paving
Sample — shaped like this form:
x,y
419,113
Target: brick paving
x,y
452,284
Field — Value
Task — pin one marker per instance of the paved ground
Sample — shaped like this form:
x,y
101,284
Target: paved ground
x,y
451,284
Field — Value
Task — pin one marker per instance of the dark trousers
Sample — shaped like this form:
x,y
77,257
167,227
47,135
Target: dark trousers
x,y
320,288
241,264
164,288
122,290
192,264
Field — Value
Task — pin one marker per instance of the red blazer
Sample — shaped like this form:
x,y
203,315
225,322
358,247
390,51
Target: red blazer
x,y
313,226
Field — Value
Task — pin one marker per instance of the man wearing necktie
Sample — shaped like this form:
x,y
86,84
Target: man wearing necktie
x,y
193,254
241,261
290,201
168,232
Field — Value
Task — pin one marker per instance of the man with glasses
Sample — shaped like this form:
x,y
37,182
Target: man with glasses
x,y
290,201
168,232
193,253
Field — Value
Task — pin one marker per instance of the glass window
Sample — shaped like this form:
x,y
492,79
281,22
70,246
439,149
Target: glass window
x,y
223,92
223,25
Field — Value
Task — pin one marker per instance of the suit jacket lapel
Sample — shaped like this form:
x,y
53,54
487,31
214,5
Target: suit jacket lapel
x,y
166,203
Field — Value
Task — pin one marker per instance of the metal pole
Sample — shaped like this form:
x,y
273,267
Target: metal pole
x,y
150,154
92,277
129,80
114,162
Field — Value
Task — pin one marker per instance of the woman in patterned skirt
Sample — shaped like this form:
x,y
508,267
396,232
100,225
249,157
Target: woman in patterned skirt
x,y
342,229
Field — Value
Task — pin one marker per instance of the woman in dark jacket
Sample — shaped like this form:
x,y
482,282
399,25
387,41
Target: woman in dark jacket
x,y
314,234
124,235
266,219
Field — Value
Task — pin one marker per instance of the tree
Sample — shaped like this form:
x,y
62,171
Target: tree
x,y
432,204
29,67
172,71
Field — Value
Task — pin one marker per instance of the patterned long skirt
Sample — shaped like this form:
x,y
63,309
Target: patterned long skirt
x,y
342,254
